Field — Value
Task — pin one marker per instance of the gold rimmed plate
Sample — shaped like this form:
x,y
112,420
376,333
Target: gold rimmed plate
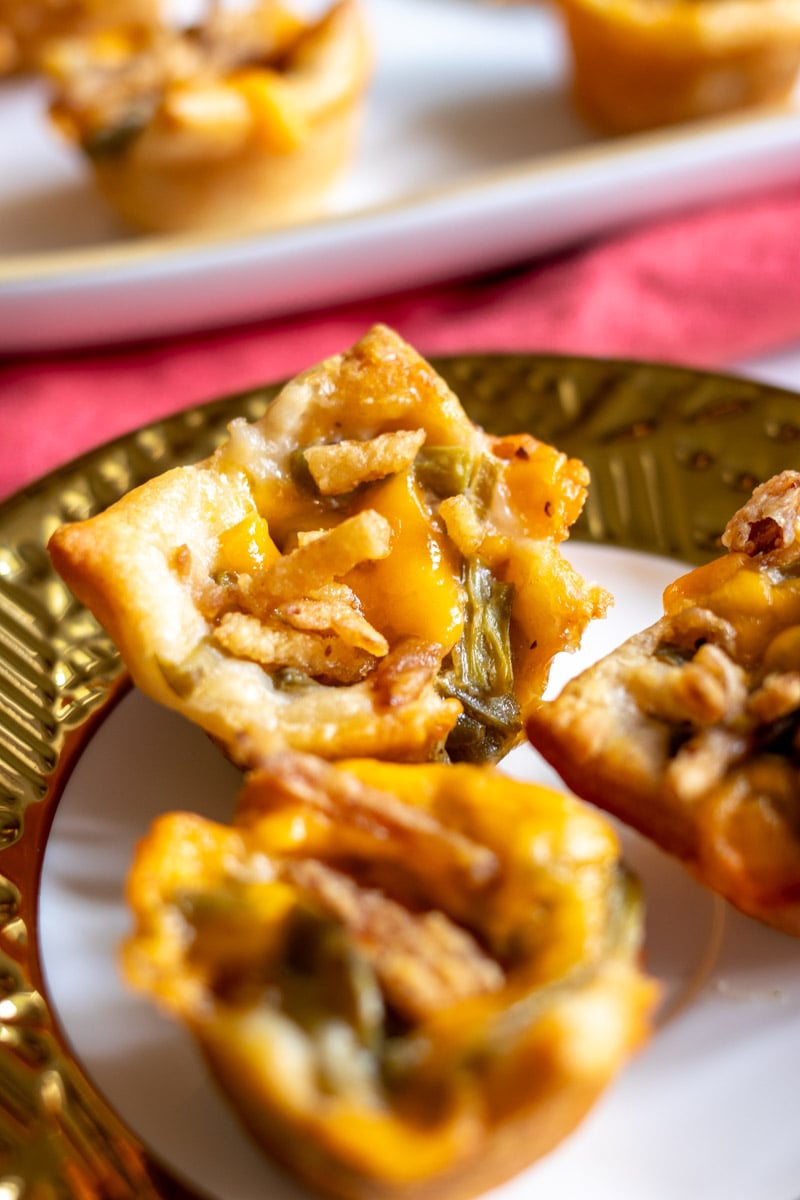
x,y
100,1097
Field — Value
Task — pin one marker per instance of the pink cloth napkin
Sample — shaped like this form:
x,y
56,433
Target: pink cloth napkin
x,y
706,289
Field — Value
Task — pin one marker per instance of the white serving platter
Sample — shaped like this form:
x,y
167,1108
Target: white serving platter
x,y
471,159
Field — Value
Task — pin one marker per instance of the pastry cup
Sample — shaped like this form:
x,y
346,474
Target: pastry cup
x,y
689,730
638,64
411,981
243,123
361,571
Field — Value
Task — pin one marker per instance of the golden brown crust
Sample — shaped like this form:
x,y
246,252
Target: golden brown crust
x,y
411,981
689,731
272,612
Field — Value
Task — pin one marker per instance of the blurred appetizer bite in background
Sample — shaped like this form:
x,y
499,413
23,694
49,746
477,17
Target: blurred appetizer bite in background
x,y
410,980
361,571
244,120
690,731
637,64
28,26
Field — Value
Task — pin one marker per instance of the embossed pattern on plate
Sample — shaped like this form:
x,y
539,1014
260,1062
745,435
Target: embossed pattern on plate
x,y
672,453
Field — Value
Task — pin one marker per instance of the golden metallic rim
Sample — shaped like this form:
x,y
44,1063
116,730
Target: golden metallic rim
x,y
672,454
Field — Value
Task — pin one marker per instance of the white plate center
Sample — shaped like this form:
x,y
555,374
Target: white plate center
x,y
698,1114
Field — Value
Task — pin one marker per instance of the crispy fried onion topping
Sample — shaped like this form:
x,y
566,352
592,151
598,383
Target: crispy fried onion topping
x,y
463,523
272,644
423,957
704,691
316,562
402,676
777,697
295,613
768,522
342,466
460,863
423,961
703,761
718,711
